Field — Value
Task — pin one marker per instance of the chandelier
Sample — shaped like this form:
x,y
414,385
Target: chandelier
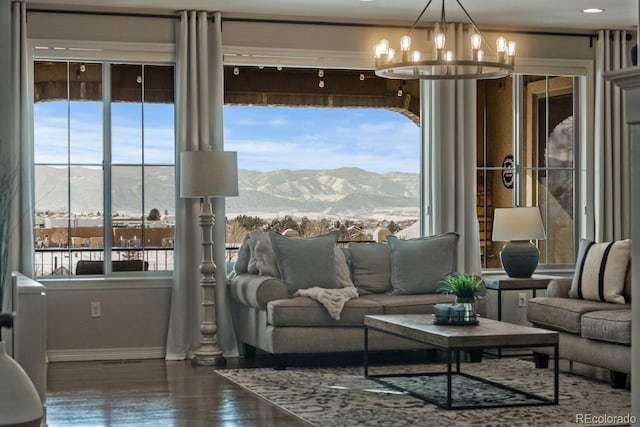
x,y
445,65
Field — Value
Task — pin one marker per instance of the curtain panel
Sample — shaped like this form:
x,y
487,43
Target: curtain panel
x,y
16,153
448,115
199,105
611,142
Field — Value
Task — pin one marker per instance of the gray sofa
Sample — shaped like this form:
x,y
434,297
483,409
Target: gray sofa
x,y
399,277
592,332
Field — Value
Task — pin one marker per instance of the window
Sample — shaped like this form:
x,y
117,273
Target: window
x,y
104,160
530,163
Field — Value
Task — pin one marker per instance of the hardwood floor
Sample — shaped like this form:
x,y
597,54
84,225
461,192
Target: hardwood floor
x,y
161,393
153,393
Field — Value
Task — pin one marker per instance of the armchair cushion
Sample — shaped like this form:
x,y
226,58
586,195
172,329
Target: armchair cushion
x,y
601,270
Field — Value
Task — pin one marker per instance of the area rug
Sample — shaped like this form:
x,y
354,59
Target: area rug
x,y
341,396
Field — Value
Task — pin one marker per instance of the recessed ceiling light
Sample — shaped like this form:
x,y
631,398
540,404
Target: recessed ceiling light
x,y
593,10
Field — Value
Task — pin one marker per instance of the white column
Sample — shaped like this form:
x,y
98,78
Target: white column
x,y
629,81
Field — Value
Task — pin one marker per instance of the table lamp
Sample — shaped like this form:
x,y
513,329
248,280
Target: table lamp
x,y
204,175
518,226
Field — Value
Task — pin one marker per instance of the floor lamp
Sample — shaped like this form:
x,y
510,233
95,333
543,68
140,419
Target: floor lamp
x,y
205,175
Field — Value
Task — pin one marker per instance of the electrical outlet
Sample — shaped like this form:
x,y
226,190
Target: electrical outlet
x,y
96,310
522,299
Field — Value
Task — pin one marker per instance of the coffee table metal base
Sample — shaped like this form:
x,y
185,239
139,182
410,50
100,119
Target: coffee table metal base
x,y
535,400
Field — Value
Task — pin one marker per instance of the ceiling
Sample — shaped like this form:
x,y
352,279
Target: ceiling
x,y
543,15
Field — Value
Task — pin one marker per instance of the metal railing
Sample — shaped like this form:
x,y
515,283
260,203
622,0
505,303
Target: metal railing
x,y
63,261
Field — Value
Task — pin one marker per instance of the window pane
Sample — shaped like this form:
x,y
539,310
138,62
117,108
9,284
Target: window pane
x,y
159,136
126,199
495,124
86,132
126,114
50,132
52,220
556,206
159,218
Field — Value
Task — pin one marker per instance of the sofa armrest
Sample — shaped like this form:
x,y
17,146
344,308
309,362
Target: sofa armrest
x,y
256,291
559,288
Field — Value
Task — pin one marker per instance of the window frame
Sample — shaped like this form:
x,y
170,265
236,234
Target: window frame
x,y
106,53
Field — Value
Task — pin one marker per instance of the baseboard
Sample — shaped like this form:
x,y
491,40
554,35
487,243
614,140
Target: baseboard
x,y
106,354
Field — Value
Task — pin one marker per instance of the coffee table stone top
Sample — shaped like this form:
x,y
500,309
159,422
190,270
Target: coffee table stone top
x,y
486,334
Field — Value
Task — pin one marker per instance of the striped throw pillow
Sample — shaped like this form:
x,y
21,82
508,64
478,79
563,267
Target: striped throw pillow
x,y
601,270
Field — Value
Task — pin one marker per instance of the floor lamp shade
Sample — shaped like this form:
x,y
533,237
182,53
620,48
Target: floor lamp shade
x,y
518,226
208,174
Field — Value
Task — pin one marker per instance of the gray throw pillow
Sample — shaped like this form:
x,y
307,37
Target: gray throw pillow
x,y
419,265
306,262
244,254
371,267
601,270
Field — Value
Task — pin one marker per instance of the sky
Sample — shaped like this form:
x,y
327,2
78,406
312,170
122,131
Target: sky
x,y
266,138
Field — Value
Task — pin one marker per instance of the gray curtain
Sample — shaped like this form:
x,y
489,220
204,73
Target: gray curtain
x,y
448,115
611,139
199,102
16,152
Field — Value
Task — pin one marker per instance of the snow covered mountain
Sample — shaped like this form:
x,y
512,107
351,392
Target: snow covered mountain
x,y
338,193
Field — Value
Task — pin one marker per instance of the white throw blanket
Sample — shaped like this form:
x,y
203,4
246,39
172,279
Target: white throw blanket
x,y
332,299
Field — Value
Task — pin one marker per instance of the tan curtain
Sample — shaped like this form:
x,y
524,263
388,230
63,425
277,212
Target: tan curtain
x,y
448,115
611,139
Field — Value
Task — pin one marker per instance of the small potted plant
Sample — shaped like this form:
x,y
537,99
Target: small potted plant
x,y
466,289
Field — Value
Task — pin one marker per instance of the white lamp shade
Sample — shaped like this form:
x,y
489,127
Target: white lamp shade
x,y
208,174
517,224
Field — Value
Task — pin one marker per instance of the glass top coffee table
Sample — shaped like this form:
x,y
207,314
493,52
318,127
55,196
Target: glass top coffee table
x,y
452,339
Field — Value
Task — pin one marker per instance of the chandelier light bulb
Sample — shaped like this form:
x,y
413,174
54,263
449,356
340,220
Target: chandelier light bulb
x,y
405,43
449,56
382,48
476,41
439,40
501,49
480,54
416,56
390,54
511,51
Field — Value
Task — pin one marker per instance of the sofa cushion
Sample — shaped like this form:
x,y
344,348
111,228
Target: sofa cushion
x,y
608,325
302,311
419,265
262,258
601,270
564,314
408,304
306,262
370,267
